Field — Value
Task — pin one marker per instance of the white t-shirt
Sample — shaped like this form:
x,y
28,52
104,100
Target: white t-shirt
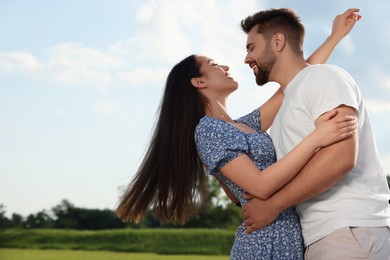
x,y
361,198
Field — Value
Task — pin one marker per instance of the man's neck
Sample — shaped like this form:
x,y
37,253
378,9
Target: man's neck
x,y
286,70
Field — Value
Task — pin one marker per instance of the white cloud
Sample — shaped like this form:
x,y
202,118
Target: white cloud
x,y
18,61
168,31
146,11
143,76
381,76
66,64
160,33
160,41
121,48
78,53
75,64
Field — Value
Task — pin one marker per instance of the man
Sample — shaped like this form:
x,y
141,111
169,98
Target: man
x,y
341,195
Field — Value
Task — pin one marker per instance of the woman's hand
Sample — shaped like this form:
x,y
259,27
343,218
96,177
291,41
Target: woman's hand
x,y
343,23
331,129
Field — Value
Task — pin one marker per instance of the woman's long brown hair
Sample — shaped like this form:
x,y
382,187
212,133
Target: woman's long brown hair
x,y
171,178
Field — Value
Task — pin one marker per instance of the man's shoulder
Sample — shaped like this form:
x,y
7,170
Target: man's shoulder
x,y
326,73
328,80
327,69
315,73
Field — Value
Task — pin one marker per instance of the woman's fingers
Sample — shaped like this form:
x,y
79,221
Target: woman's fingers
x,y
351,15
329,115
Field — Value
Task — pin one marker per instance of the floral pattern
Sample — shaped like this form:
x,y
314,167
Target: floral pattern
x,y
219,142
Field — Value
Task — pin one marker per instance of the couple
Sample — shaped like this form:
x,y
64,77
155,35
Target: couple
x,y
341,190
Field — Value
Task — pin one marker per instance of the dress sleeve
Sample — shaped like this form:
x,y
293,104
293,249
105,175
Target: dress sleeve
x,y
252,119
218,144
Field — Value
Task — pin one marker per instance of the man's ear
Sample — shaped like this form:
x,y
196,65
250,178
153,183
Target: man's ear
x,y
278,41
198,83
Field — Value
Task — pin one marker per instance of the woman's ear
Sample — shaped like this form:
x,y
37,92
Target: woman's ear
x,y
198,83
278,41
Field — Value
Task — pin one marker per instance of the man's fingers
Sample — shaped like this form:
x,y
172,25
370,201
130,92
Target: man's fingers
x,y
247,196
249,229
248,222
245,212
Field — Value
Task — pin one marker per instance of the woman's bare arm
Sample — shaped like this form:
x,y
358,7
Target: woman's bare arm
x,y
262,184
342,25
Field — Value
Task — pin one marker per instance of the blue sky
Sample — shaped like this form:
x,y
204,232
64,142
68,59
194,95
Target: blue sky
x,y
80,83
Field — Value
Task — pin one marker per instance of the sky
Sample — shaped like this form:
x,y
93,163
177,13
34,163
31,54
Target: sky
x,y
81,82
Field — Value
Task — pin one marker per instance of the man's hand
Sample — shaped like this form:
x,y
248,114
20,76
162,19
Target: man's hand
x,y
258,213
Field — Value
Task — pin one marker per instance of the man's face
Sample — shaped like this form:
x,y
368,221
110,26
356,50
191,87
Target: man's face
x,y
260,56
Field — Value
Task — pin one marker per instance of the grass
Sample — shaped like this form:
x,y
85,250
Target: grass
x,y
35,254
157,241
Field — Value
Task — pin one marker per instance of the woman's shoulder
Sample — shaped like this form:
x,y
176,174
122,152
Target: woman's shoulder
x,y
209,125
252,119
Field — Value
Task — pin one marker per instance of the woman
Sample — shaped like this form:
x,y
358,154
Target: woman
x,y
240,154
172,176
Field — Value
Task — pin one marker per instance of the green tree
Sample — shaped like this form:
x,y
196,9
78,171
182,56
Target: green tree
x,y
216,212
17,220
4,221
95,219
40,220
71,217
64,217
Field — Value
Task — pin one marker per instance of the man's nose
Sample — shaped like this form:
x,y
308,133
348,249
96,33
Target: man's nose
x,y
247,59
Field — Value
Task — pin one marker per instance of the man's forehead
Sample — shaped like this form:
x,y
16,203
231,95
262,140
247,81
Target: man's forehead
x,y
253,36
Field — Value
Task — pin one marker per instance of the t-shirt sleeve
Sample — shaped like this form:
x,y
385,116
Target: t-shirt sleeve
x,y
331,87
217,145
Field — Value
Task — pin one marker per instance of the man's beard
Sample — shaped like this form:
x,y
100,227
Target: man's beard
x,y
264,69
262,77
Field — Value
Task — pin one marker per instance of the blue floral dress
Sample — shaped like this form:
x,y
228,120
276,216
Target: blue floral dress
x,y
219,142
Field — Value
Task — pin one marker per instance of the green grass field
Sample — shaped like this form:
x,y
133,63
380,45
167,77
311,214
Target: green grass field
x,y
28,254
157,241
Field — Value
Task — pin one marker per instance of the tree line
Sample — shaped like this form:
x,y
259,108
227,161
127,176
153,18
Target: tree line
x,y
216,212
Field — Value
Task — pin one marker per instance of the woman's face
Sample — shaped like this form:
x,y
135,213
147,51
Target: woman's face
x,y
215,77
